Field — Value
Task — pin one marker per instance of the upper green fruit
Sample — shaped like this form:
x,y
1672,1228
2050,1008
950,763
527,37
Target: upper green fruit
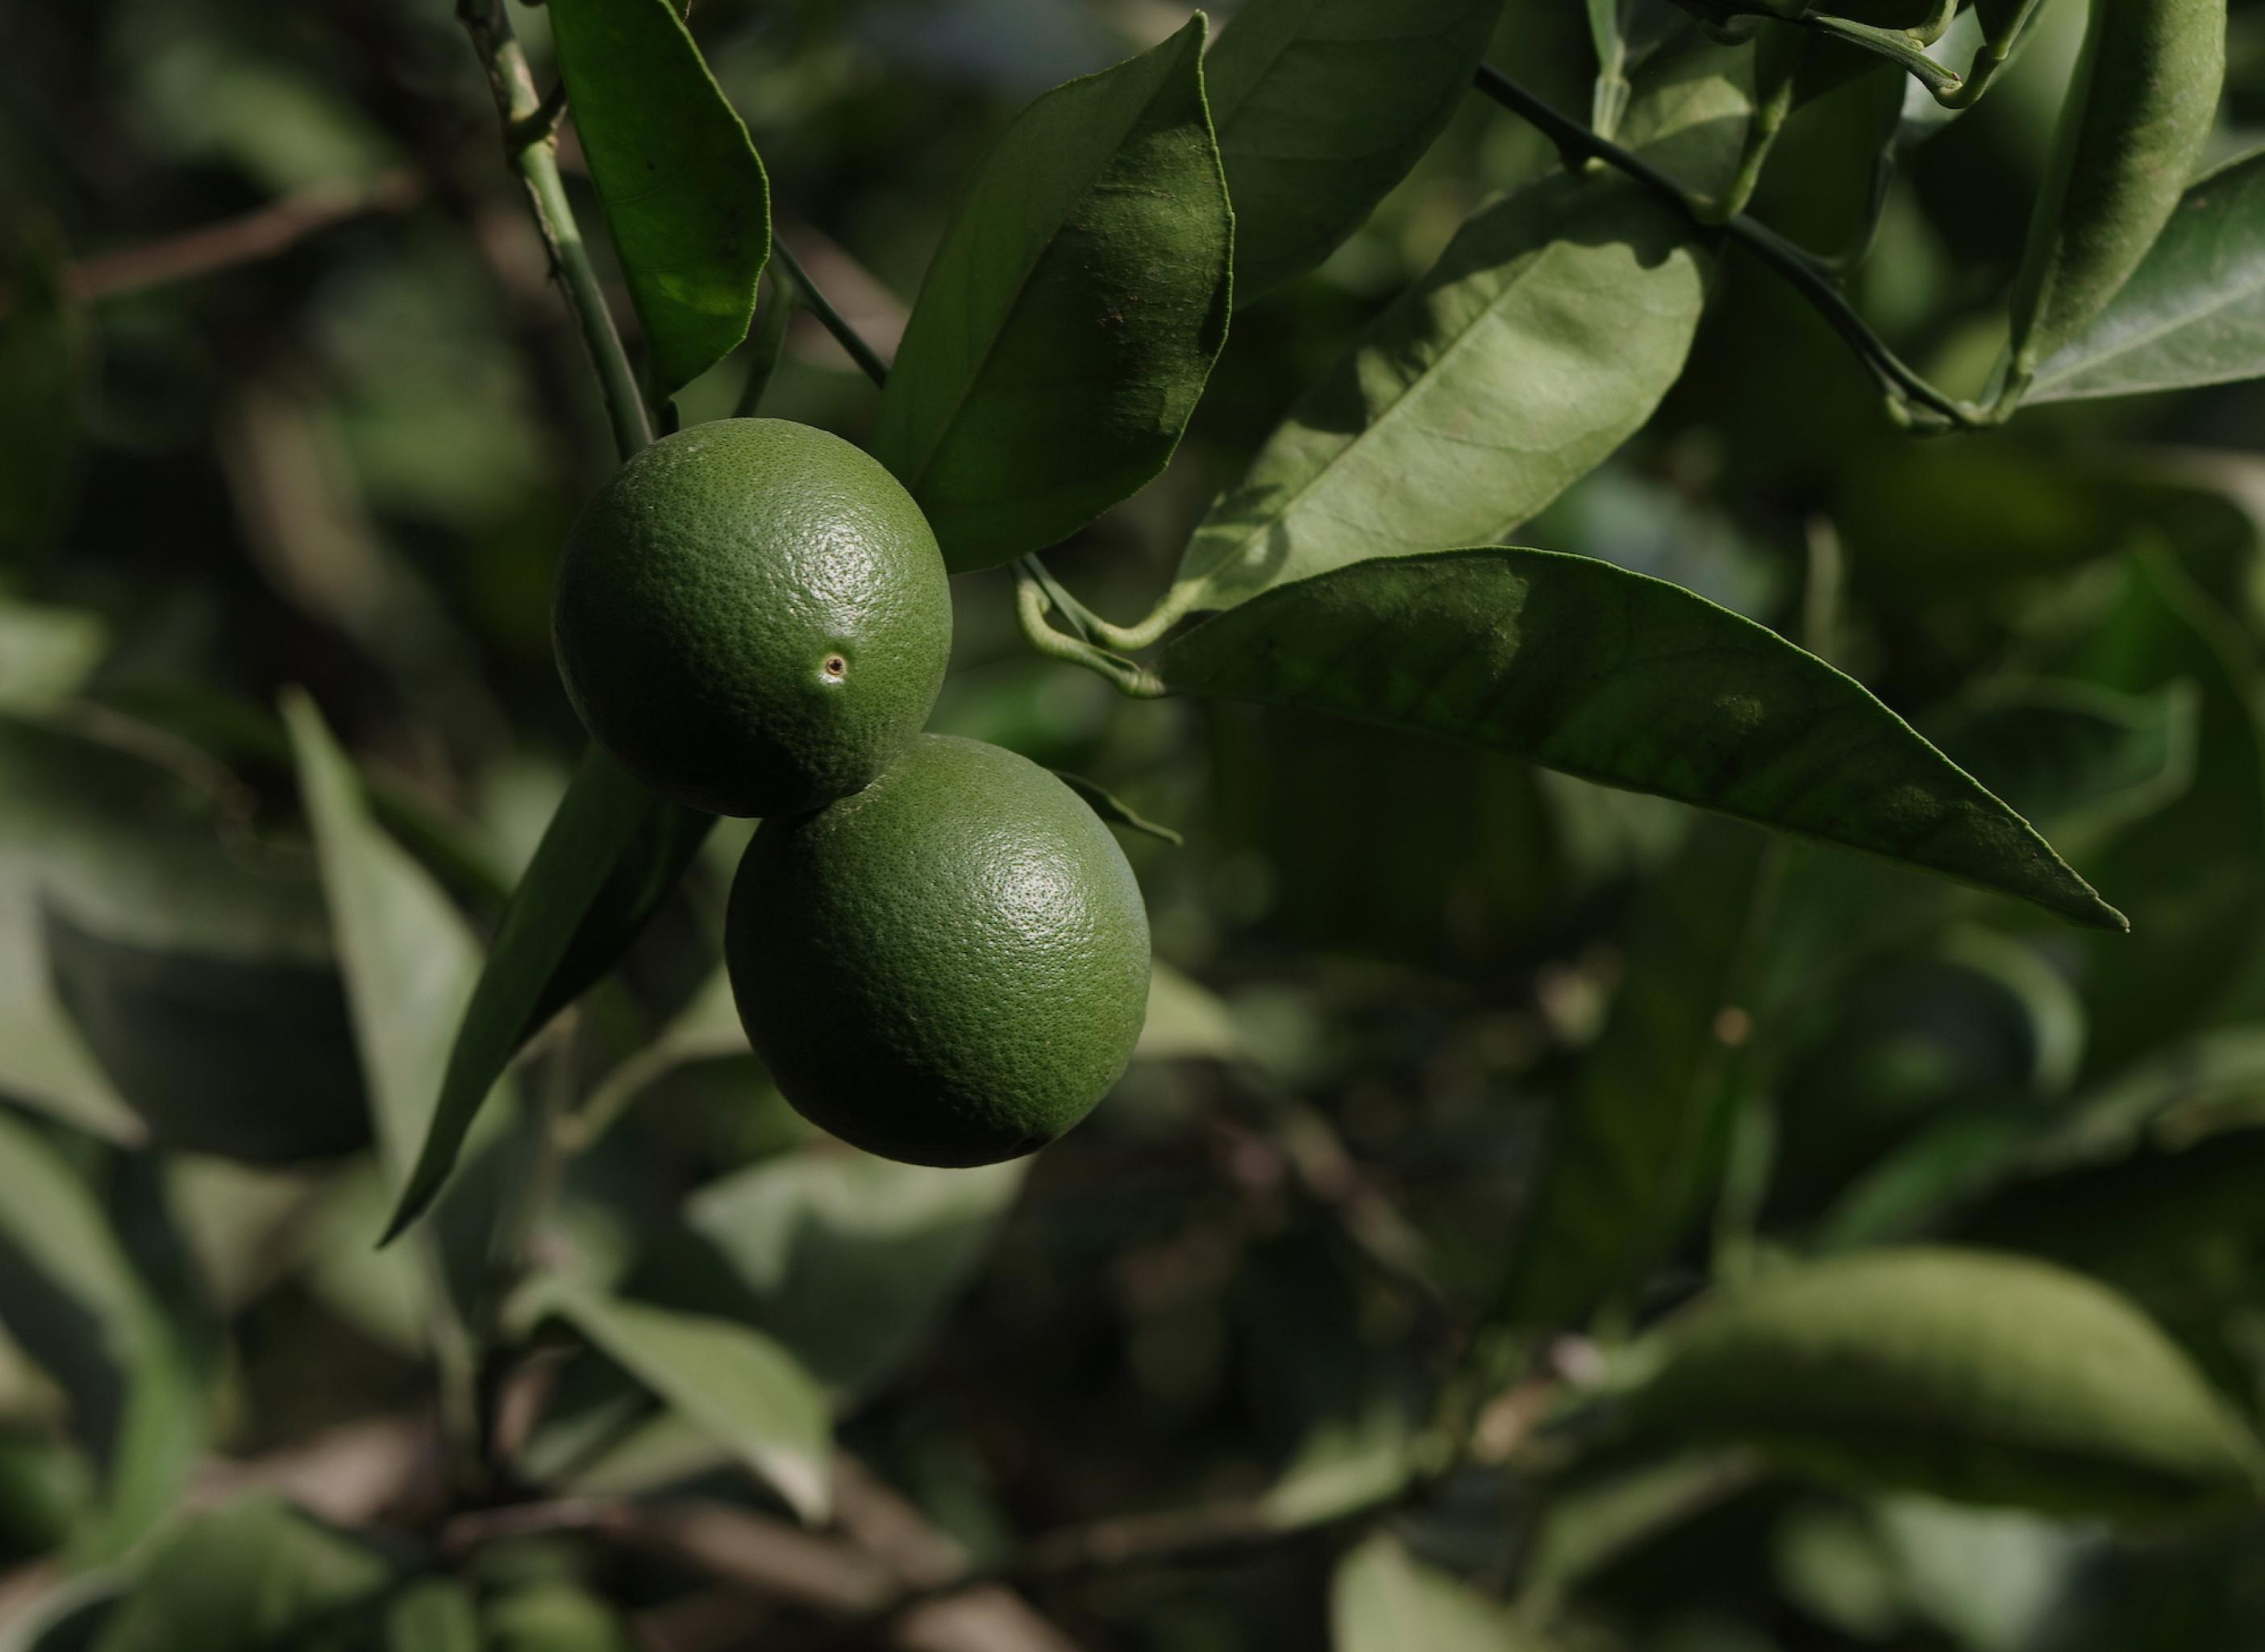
x,y
949,968
753,616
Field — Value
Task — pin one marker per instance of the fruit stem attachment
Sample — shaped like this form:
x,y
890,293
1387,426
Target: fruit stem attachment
x,y
1032,606
531,146
848,336
1913,402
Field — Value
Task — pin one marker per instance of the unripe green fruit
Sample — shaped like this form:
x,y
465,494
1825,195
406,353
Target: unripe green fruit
x,y
753,617
949,967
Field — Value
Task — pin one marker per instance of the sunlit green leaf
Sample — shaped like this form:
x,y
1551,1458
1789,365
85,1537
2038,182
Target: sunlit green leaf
x,y
1070,317
735,1383
683,191
1384,1599
815,1229
1608,675
1322,106
1545,335
2193,313
1975,1376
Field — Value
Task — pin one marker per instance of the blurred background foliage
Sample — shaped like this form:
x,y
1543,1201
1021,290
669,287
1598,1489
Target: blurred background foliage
x,y
285,399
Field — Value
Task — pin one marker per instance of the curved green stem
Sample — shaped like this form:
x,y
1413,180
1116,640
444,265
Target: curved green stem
x,y
848,336
1897,47
1031,606
530,144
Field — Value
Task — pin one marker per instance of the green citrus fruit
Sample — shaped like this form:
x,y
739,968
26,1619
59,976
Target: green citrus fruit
x,y
753,616
949,967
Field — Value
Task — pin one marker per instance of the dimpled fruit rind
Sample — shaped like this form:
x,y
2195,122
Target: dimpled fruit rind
x,y
949,967
753,617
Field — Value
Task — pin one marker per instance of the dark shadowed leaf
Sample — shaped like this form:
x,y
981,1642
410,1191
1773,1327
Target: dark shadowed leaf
x,y
684,193
46,347
1975,1376
611,853
2193,313
1626,1153
1545,335
738,1386
255,1574
848,1259
1070,317
1322,106
76,1303
1614,677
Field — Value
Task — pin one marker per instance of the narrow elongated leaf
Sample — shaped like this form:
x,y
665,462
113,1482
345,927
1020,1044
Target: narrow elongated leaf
x,y
134,1383
1625,1153
255,1574
1322,106
1546,334
409,956
1384,1599
2193,312
1071,316
1976,1376
612,852
813,1229
1615,677
736,1383
684,193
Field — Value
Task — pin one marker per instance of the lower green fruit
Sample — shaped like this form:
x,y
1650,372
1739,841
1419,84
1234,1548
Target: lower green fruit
x,y
949,967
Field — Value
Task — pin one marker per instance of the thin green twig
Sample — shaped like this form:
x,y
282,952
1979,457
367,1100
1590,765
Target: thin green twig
x,y
1031,604
845,335
530,145
1911,398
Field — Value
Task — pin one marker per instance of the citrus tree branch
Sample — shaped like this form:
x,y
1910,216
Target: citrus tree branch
x,y
530,146
1911,398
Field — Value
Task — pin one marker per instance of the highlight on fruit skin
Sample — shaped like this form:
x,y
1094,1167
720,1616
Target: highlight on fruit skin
x,y
949,967
753,617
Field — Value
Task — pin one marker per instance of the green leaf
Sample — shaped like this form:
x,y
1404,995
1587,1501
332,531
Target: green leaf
x,y
611,853
256,1574
1185,1021
1072,313
1545,335
2193,312
737,1385
1112,808
1625,1162
1592,1522
1320,107
1973,1377
46,654
134,1385
846,1259
1384,1599
555,1617
160,977
1614,677
433,1615
683,191
409,959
